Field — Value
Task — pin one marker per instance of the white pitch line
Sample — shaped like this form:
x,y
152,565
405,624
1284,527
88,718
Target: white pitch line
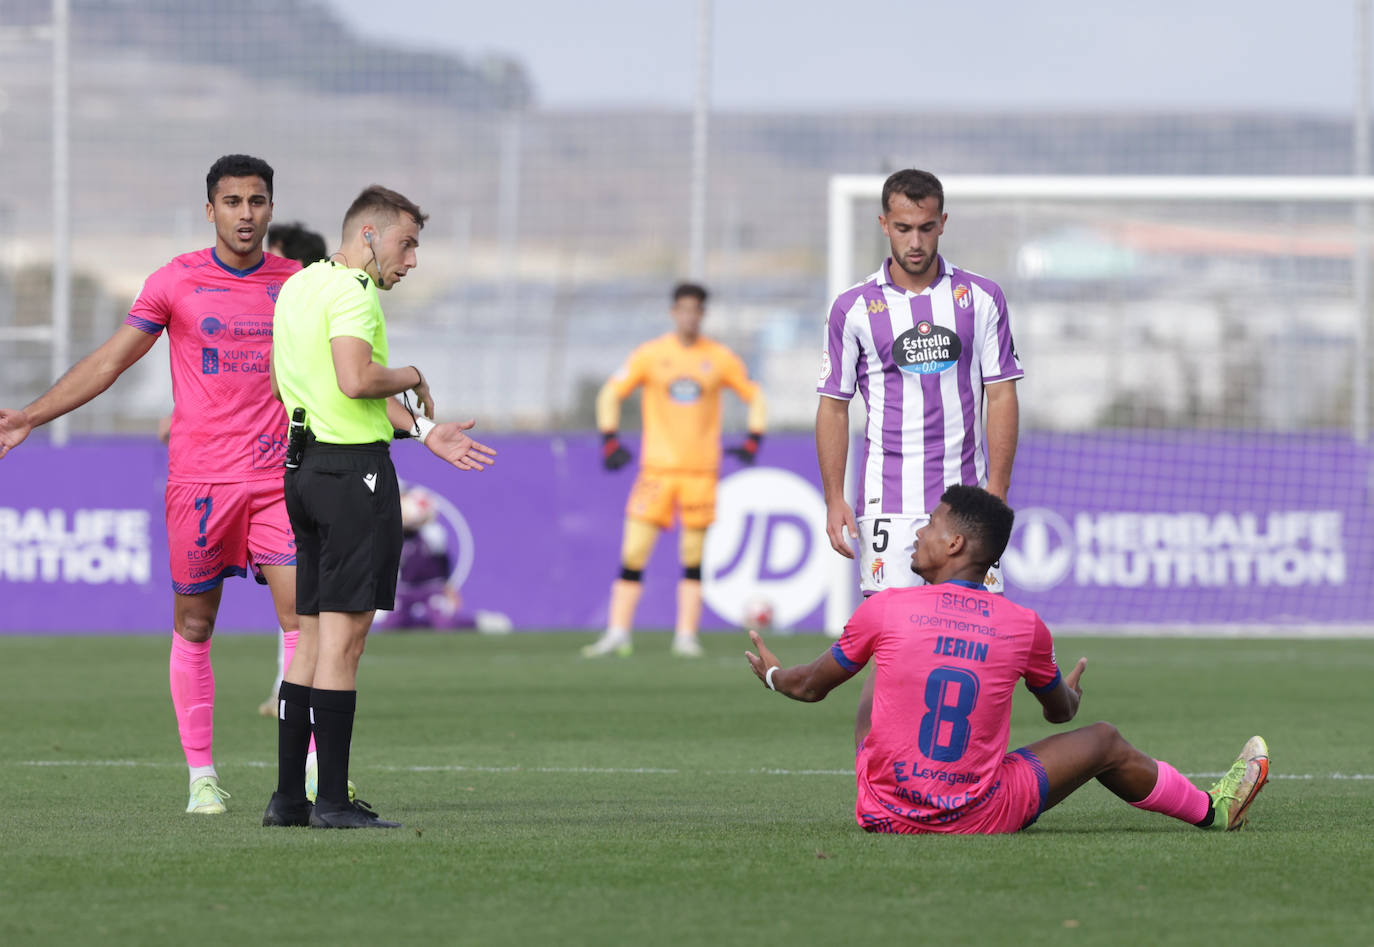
x,y
605,770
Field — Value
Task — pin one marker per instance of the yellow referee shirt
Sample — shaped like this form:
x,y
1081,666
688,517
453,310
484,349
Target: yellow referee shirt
x,y
322,302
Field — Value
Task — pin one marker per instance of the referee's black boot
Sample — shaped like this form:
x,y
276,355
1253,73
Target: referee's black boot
x,y
285,811
351,815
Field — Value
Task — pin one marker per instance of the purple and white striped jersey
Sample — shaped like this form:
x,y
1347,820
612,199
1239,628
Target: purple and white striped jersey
x,y
920,361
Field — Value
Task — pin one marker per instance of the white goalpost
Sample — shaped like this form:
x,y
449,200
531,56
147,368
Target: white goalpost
x,y
1214,307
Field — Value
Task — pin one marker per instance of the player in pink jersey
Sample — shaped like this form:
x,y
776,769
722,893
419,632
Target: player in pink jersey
x,y
932,756
224,502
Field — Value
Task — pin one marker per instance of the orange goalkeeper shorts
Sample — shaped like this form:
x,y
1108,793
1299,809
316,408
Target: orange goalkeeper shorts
x,y
655,496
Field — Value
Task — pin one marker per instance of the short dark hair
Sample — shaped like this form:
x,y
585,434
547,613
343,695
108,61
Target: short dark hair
x,y
693,290
237,166
915,186
298,243
377,201
982,518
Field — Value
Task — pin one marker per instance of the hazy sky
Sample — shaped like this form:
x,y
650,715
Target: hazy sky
x,y
807,54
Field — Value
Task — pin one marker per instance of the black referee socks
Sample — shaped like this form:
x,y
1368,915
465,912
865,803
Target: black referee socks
x,y
333,712
293,739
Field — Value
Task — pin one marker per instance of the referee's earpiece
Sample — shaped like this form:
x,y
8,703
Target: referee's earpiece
x,y
367,235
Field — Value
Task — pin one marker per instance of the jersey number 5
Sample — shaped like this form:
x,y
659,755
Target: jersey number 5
x,y
880,535
945,729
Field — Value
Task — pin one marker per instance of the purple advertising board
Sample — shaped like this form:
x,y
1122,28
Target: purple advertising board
x,y
1187,528
1153,530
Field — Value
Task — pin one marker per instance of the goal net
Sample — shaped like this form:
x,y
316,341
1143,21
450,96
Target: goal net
x,y
1194,449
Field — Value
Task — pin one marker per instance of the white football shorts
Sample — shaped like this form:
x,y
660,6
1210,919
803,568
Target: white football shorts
x,y
886,544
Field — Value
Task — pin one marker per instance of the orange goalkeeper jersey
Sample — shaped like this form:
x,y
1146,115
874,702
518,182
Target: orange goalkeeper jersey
x,y
681,401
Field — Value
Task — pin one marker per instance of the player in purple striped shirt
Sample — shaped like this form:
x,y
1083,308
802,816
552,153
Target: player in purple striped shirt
x,y
929,347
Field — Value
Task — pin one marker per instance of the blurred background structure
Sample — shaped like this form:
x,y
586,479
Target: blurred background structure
x,y
556,230
1205,361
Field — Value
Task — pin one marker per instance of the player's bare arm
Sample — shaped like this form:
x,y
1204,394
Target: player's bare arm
x,y
360,377
1003,424
804,682
82,382
272,379
832,450
1061,704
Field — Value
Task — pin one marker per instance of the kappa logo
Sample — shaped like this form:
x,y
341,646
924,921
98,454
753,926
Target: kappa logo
x,y
963,296
1041,551
825,365
877,305
370,481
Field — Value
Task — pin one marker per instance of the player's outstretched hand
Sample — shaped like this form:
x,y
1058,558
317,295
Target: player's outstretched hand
x,y
613,453
450,443
14,427
841,527
762,661
748,452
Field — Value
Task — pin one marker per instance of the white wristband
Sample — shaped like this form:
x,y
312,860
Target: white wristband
x,y
423,426
768,678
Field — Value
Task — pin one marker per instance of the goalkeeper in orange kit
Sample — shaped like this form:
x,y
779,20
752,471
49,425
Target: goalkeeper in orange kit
x,y
682,374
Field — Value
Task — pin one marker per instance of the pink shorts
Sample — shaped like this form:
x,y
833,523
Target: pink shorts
x,y
1015,801
215,530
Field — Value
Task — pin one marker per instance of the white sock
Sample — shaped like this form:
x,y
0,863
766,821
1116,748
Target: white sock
x,y
198,771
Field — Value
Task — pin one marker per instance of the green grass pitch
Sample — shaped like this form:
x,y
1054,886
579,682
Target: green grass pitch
x,y
552,800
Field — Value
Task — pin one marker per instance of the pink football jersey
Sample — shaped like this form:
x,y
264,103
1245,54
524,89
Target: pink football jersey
x,y
948,657
226,426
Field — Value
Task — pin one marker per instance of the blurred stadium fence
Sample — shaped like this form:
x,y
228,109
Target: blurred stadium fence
x,y
1202,356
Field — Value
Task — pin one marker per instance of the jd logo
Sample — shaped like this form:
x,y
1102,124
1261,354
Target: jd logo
x,y
1040,553
768,543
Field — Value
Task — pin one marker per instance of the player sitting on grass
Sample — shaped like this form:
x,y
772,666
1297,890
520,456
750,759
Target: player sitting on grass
x,y
930,746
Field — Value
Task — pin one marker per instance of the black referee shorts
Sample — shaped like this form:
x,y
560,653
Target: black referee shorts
x,y
345,509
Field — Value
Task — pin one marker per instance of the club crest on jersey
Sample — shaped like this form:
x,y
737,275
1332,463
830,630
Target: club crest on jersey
x,y
963,296
875,572
274,290
212,328
927,349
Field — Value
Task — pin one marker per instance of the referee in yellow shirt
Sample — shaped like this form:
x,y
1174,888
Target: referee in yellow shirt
x,y
683,374
329,362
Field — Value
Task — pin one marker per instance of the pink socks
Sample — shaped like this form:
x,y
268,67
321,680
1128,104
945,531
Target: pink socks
x,y
1174,795
193,696
288,645
288,651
